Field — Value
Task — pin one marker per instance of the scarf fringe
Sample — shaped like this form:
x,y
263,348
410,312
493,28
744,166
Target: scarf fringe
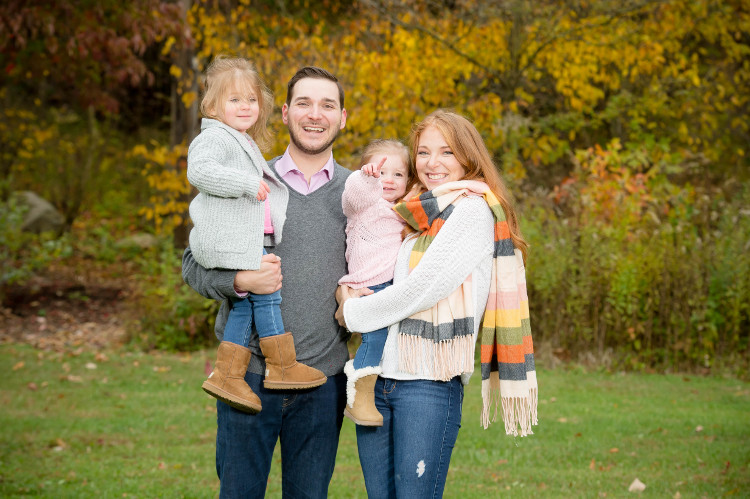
x,y
519,412
442,360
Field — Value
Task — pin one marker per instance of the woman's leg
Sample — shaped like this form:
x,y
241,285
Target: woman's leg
x,y
425,419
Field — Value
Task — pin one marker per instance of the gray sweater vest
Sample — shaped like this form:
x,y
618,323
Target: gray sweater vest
x,y
313,259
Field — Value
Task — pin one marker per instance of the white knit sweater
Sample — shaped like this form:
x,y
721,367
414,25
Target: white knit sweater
x,y
464,245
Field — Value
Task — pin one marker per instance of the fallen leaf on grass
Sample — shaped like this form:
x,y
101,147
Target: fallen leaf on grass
x,y
32,386
162,466
502,461
637,486
614,450
698,429
19,365
726,468
91,365
592,464
72,378
162,369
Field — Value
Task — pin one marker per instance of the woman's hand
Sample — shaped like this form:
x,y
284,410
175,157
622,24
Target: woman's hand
x,y
343,293
264,281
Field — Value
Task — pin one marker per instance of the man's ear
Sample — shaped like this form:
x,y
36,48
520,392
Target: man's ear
x,y
343,118
285,114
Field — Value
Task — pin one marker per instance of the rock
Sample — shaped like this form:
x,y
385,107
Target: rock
x,y
42,216
141,240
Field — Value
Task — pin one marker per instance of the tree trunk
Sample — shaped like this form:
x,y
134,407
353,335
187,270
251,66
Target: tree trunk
x,y
184,119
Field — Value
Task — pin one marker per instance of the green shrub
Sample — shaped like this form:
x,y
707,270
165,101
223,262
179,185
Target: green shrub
x,y
630,264
23,253
171,315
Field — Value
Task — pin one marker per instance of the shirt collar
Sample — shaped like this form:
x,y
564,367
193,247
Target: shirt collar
x,y
286,164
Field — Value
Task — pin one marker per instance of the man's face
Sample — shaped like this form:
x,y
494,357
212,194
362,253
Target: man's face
x,y
314,115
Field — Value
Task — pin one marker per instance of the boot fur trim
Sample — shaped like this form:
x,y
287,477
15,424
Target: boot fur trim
x,y
352,375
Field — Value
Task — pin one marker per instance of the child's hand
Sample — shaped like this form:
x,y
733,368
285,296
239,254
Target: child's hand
x,y
372,169
262,191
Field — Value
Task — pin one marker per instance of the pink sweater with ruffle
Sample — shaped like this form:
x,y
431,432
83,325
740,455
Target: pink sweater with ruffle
x,y
373,232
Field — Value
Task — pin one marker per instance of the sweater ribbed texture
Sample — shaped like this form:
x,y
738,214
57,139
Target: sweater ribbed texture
x,y
464,246
373,232
226,167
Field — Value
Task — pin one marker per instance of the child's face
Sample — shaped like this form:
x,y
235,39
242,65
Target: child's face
x,y
393,176
240,111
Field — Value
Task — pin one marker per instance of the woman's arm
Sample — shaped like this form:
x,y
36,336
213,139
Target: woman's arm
x,y
221,284
462,243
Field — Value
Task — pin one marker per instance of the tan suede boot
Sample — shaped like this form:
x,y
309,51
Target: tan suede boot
x,y
360,395
227,381
283,372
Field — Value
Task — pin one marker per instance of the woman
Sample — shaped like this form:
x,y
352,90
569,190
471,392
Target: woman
x,y
465,256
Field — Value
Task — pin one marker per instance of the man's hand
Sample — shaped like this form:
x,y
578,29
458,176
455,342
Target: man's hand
x,y
343,293
264,281
373,169
262,191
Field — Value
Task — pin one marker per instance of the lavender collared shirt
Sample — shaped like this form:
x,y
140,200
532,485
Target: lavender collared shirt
x,y
287,169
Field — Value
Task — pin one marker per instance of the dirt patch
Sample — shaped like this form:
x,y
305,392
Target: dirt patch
x,y
62,311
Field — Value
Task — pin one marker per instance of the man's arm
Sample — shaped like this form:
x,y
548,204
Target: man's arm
x,y
219,284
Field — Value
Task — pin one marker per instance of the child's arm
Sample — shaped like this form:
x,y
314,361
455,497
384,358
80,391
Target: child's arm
x,y
208,156
362,189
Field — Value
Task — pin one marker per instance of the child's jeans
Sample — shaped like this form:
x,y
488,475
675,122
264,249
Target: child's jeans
x,y
263,309
371,350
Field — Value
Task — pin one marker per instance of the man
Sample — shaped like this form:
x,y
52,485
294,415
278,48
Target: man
x,y
311,255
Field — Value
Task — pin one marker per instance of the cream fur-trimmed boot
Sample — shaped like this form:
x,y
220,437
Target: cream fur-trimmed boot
x,y
360,395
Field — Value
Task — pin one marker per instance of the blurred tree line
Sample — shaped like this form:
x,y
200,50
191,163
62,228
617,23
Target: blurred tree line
x,y
620,125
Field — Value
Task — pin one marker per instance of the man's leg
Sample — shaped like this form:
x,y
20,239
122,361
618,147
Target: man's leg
x,y
245,443
310,437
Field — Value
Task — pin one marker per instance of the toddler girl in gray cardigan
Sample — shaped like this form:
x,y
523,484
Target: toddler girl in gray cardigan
x,y
230,216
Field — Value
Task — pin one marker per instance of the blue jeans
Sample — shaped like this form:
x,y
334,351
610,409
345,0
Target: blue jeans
x,y
263,309
307,423
409,455
370,351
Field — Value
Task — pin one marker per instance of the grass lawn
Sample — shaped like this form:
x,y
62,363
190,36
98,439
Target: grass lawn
x,y
126,424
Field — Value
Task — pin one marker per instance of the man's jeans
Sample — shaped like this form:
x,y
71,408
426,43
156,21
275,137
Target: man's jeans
x,y
307,422
409,455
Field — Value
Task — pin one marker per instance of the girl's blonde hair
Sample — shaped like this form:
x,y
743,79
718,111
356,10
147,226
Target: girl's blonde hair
x,y
384,147
227,73
471,152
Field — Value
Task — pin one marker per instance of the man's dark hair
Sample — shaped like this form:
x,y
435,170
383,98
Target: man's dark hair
x,y
313,72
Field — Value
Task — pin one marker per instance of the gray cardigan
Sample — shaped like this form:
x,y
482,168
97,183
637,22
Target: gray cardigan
x,y
226,167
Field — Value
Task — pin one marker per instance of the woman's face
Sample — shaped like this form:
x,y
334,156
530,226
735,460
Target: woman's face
x,y
435,161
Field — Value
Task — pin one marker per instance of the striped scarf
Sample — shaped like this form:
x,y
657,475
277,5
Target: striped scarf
x,y
443,335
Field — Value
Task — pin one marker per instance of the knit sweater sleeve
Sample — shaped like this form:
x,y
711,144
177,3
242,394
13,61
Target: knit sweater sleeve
x,y
360,192
210,158
215,283
461,244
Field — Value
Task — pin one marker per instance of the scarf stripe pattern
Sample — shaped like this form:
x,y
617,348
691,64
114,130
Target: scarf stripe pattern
x,y
441,338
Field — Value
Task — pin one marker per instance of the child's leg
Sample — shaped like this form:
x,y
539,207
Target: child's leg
x,y
240,322
362,373
283,372
227,381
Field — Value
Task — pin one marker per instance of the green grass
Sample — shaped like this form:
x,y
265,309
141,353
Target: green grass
x,y
138,425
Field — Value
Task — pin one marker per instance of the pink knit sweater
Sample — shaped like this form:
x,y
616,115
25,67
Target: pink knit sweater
x,y
373,232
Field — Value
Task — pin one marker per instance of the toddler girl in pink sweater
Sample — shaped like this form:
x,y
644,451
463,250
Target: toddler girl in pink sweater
x,y
373,238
